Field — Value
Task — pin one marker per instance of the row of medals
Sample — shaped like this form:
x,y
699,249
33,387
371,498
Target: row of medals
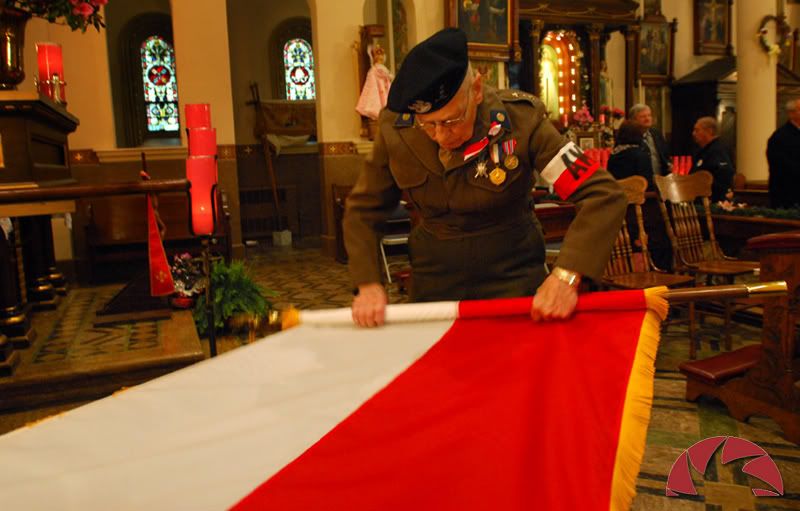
x,y
498,175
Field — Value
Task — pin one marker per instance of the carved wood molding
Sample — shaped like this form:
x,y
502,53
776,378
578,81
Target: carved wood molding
x,y
83,157
337,148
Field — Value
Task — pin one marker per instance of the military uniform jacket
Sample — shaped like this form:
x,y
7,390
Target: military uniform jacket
x,y
453,202
714,159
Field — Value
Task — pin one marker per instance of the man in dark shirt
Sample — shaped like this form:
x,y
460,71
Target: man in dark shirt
x,y
783,154
653,141
713,157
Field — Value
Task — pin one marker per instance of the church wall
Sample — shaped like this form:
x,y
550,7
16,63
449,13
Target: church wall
x,y
250,26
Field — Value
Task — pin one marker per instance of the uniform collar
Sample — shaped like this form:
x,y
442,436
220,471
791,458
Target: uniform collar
x,y
490,110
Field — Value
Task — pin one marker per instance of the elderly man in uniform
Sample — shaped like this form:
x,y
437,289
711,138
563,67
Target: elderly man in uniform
x,y
465,154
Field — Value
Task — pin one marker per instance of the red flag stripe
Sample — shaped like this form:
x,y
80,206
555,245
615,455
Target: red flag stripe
x,y
495,416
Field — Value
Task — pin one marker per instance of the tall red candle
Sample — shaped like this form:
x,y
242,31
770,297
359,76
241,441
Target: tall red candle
x,y
198,115
51,65
201,171
202,141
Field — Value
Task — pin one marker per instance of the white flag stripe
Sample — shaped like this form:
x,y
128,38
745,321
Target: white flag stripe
x,y
556,167
395,313
204,437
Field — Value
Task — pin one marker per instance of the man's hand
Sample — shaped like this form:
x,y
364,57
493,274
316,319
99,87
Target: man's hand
x,y
556,297
369,306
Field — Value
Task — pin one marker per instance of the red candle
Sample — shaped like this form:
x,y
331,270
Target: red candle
x,y
202,141
51,69
201,171
198,115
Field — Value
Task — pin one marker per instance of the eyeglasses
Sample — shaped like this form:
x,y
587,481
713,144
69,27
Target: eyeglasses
x,y
449,124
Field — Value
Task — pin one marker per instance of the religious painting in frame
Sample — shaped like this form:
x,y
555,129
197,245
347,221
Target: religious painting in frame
x,y
656,50
490,25
712,27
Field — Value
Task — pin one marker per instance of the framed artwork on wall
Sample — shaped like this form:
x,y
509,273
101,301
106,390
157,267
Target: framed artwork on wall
x,y
490,25
712,27
656,51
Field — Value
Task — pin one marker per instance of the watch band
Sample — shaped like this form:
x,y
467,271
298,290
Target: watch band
x,y
570,277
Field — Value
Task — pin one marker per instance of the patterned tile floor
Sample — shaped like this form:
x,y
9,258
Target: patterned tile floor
x,y
308,280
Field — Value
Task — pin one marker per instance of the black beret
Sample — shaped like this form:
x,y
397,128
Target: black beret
x,y
431,73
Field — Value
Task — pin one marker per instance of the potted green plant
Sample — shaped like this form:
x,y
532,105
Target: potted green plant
x,y
235,292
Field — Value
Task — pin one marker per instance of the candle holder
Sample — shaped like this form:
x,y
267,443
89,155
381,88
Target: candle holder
x,y
50,81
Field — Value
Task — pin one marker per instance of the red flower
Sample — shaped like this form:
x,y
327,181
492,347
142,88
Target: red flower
x,y
83,9
98,3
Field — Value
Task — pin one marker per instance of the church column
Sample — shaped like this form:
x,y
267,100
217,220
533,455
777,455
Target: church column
x,y
536,48
631,63
755,92
335,31
595,32
204,76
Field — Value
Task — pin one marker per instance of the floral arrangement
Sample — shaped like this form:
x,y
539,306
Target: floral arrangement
x,y
729,208
187,275
729,205
583,118
77,14
782,30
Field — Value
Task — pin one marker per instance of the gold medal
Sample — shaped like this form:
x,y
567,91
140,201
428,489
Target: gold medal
x,y
511,161
497,176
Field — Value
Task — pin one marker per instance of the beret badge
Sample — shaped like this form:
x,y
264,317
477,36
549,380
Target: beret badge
x,y
419,106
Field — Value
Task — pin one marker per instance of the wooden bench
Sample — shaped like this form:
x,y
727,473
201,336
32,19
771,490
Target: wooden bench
x,y
116,231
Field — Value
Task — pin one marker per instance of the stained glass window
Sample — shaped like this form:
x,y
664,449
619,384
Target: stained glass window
x,y
160,86
298,63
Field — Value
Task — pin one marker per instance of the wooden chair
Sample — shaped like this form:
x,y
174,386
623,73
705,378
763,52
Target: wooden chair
x,y
692,253
631,267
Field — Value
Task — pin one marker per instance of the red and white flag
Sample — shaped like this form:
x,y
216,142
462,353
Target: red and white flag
x,y
485,410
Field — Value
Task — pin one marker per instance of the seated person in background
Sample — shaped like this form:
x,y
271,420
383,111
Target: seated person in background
x,y
714,158
628,157
653,142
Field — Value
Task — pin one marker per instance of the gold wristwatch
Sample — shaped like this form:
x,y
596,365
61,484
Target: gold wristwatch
x,y
570,277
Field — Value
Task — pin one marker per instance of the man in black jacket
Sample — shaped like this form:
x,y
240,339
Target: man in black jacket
x,y
653,142
783,154
713,157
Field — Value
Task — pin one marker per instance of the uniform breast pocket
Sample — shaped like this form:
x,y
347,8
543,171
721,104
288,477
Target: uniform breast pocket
x,y
408,176
497,182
